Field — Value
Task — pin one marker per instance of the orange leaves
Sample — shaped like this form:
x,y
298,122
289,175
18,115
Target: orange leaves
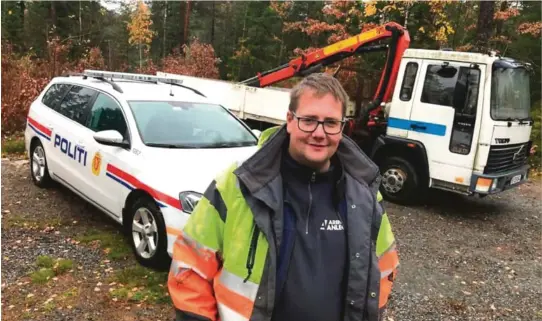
x,y
139,26
370,9
281,7
199,60
532,28
506,14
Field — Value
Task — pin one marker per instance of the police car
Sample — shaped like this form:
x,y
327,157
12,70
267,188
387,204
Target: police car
x,y
140,148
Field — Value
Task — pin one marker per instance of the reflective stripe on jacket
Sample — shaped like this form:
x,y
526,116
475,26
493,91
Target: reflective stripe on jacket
x,y
225,260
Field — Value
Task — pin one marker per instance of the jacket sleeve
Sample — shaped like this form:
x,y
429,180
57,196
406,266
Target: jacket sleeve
x,y
386,252
196,259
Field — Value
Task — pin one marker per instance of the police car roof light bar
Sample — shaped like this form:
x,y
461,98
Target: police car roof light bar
x,y
129,76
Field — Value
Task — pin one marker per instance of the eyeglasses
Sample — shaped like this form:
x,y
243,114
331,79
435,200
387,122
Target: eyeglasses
x,y
309,125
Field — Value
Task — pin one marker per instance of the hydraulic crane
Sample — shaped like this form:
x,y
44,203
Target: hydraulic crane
x,y
355,45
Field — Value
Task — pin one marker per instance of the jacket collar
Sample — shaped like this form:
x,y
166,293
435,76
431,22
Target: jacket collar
x,y
262,168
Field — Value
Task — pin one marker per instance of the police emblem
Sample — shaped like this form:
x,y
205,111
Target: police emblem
x,y
96,164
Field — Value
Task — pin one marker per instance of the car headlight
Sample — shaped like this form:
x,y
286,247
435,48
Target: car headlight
x,y
189,200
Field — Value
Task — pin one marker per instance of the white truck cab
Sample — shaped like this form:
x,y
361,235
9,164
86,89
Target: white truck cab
x,y
467,114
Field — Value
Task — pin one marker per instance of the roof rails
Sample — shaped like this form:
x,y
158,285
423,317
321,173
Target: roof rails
x,y
105,75
130,76
115,86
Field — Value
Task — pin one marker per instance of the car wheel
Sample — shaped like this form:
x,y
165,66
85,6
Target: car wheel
x,y
147,232
400,182
38,165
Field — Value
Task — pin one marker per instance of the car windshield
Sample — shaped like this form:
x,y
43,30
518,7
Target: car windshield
x,y
510,94
174,124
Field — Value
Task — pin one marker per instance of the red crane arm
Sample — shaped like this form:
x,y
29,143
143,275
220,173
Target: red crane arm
x,y
306,64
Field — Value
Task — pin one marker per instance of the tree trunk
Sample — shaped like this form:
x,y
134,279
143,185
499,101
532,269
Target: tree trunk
x,y
109,64
140,58
242,37
500,23
165,34
186,21
80,24
52,14
484,26
213,23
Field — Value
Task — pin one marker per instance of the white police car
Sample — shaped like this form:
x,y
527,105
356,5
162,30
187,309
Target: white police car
x,y
140,148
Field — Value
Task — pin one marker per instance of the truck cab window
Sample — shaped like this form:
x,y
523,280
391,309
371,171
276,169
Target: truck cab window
x,y
408,81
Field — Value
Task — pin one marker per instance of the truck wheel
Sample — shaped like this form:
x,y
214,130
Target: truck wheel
x,y
38,165
400,182
147,233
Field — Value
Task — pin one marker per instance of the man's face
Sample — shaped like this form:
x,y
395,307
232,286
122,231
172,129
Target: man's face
x,y
314,149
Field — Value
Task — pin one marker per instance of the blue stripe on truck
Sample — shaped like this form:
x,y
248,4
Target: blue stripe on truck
x,y
417,126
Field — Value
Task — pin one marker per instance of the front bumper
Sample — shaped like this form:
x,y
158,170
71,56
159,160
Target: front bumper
x,y
495,183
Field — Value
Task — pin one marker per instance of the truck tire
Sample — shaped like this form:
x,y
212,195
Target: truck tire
x,y
146,230
400,181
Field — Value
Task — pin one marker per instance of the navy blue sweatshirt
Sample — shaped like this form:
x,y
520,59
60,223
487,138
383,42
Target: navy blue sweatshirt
x,y
314,283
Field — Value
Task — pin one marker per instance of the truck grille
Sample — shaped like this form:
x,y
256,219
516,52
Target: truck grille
x,y
507,157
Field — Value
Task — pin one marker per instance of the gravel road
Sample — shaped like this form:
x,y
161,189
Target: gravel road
x,y
461,258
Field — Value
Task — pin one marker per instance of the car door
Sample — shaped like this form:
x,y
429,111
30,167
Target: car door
x,y
67,138
104,181
445,117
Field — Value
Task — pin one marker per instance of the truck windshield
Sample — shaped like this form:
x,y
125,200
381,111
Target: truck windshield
x,y
174,124
510,94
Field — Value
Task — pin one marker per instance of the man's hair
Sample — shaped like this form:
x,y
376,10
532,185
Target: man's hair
x,y
320,84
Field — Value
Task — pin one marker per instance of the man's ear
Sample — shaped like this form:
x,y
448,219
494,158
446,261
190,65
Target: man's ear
x,y
289,119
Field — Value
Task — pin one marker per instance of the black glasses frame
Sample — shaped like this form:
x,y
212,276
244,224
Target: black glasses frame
x,y
318,122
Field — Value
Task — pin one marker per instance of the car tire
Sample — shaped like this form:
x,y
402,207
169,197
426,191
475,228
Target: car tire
x,y
145,225
400,181
39,171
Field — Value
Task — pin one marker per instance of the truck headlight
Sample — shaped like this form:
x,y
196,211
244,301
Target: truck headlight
x,y
189,200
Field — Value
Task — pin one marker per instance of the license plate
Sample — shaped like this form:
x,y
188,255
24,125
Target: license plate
x,y
515,179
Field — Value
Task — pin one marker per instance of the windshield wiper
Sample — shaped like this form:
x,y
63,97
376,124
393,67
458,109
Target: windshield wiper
x,y
164,145
230,144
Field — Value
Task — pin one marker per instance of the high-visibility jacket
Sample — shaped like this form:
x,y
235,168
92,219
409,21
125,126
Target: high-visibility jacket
x,y
224,263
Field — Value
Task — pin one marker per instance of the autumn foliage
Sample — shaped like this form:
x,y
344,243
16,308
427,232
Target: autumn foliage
x,y
24,77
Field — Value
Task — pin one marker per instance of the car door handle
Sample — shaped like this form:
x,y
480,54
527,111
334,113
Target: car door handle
x,y
414,126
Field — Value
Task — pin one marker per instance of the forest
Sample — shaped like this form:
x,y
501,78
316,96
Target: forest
x,y
234,40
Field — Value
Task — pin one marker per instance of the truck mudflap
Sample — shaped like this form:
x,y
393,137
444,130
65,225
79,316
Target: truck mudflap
x,y
485,184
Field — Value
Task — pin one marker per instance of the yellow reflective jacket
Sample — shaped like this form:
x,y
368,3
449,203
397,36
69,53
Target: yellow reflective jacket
x,y
225,260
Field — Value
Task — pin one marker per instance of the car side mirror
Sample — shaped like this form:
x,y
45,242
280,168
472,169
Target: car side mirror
x,y
110,138
257,132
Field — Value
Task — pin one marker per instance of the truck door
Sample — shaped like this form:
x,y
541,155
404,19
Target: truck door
x,y
445,117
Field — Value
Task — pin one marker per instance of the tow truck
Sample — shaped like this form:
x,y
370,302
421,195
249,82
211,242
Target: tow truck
x,y
442,119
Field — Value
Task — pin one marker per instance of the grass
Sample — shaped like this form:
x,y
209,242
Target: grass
x,y
139,284
114,243
49,268
13,145
11,220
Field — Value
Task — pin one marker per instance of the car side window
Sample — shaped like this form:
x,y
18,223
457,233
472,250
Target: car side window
x,y
54,95
106,114
76,103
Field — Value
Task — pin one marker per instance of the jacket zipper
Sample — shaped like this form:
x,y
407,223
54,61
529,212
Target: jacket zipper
x,y
310,202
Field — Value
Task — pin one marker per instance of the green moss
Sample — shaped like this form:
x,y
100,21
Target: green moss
x,y
42,275
113,243
151,286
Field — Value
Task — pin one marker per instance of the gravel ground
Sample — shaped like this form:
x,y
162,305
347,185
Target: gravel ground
x,y
461,258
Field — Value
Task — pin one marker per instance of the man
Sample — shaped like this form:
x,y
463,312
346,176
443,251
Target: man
x,y
296,232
